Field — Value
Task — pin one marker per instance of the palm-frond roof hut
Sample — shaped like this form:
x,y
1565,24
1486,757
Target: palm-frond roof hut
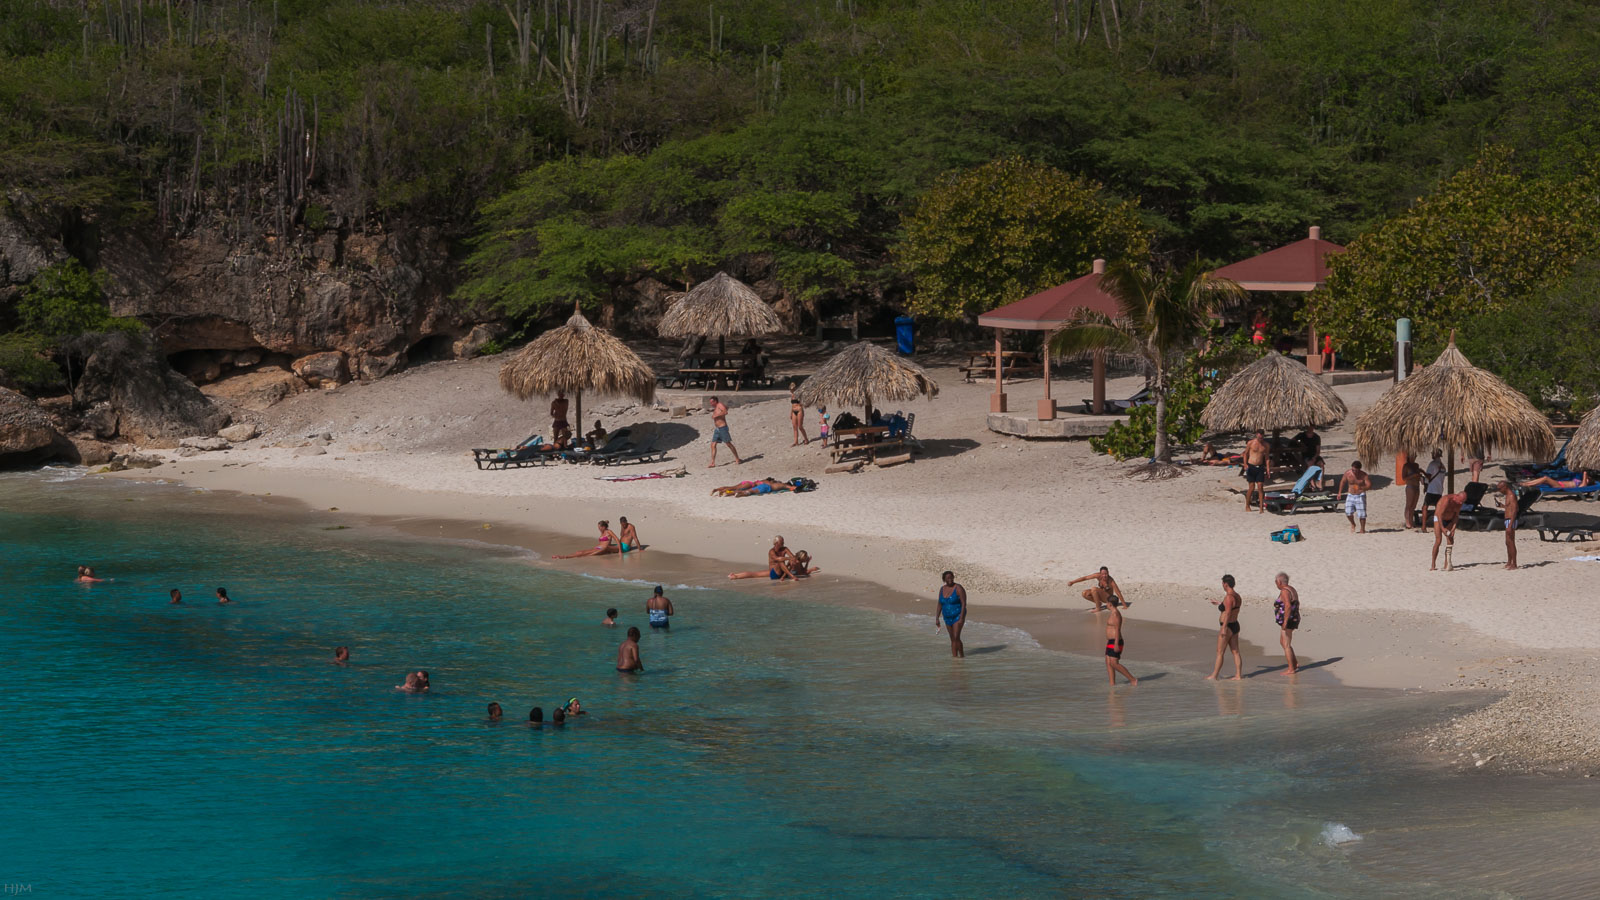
x,y
1272,393
576,358
865,374
1583,450
721,307
1453,405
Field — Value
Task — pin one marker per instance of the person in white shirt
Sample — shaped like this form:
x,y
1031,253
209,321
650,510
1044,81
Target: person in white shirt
x,y
1435,474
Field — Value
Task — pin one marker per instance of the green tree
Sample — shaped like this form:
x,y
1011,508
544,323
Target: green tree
x,y
64,300
1161,315
1487,238
1002,231
1542,344
1194,380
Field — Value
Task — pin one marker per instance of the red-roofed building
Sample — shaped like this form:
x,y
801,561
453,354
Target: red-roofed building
x,y
1300,267
1049,310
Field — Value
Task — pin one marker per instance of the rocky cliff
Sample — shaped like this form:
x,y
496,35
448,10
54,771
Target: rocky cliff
x,y
376,300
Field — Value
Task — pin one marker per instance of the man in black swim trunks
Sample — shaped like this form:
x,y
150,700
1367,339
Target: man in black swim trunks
x,y
1257,469
1114,645
1445,521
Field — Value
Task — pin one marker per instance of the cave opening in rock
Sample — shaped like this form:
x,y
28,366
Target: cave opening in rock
x,y
433,348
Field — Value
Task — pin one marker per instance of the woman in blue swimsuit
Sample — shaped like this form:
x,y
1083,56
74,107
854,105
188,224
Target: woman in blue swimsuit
x,y
952,613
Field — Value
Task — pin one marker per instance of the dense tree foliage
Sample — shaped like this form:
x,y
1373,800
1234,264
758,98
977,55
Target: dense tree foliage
x,y
990,235
1487,238
666,137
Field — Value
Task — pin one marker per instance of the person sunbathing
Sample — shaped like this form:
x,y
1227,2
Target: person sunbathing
x,y
802,565
781,563
609,543
1558,483
1210,457
767,485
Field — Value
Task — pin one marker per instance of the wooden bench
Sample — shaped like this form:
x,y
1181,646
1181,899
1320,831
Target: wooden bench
x,y
871,448
706,376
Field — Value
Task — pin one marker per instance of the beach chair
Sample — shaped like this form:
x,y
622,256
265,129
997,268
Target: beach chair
x,y
524,454
621,439
1555,468
1479,516
644,451
1300,499
1588,492
1142,397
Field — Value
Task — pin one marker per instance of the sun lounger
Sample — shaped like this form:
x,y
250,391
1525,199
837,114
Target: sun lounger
x,y
1555,468
645,451
1121,407
1298,499
524,454
1587,492
1571,533
1479,516
620,439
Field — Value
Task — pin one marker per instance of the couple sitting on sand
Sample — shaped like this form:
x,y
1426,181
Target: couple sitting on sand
x,y
610,542
782,564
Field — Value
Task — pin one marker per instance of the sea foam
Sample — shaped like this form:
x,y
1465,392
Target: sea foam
x,y
1335,834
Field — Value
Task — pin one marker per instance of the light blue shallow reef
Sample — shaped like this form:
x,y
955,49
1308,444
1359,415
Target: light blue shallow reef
x,y
774,748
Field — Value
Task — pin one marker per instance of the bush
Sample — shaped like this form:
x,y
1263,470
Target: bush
x,y
1193,382
25,362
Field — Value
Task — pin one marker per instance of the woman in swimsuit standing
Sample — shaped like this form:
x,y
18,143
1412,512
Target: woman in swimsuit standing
x,y
608,544
797,418
1228,630
952,612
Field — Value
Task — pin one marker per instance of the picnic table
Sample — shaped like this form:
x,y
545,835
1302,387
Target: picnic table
x,y
1017,363
719,369
867,439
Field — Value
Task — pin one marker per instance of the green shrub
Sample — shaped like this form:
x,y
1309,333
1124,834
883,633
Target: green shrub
x,y
492,347
1201,373
25,362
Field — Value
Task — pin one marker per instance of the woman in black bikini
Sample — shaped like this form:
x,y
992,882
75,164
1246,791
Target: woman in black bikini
x,y
797,418
1228,630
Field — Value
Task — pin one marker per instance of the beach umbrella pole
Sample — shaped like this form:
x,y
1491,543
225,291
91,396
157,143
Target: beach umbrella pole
x,y
1450,467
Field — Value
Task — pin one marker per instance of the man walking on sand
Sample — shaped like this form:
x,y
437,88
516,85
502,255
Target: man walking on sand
x,y
1508,504
1444,527
1257,469
1114,647
1286,611
1105,588
1353,487
719,432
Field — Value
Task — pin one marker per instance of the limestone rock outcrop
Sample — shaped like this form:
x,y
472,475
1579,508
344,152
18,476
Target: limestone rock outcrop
x,y
133,394
27,433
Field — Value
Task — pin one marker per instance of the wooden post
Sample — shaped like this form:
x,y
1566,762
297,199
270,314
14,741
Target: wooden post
x,y
997,400
1099,382
1311,351
577,417
1047,406
1450,468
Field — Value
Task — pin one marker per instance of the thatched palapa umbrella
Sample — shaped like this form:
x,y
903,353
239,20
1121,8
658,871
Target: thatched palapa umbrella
x,y
1272,393
721,307
578,357
1583,450
1453,405
864,374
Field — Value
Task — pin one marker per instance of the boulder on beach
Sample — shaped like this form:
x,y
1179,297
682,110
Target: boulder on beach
x,y
145,400
28,435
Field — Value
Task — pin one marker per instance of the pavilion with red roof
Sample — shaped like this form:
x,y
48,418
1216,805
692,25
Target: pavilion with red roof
x,y
1049,310
1301,267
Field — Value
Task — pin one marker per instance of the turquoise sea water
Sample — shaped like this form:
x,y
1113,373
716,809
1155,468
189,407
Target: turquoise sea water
x,y
774,747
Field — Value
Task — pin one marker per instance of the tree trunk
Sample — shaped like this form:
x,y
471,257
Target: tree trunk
x,y
1163,452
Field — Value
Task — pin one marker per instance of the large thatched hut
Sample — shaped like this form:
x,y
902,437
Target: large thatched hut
x,y
866,374
577,358
721,307
1583,450
1453,405
1272,393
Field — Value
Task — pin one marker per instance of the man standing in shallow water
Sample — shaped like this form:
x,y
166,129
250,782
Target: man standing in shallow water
x,y
1286,610
628,660
1114,646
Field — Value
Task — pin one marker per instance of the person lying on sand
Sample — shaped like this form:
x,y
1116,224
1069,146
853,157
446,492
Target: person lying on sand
x,y
766,485
781,563
1105,588
1546,481
1210,457
608,544
416,683
86,576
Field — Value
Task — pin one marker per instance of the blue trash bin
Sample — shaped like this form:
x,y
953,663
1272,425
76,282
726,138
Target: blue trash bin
x,y
904,334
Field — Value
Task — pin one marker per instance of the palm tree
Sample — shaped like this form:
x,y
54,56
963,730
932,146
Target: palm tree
x,y
1161,315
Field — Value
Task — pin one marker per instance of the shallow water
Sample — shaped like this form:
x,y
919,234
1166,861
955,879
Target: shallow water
x,y
773,747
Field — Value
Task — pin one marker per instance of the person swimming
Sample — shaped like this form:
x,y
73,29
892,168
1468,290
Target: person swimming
x,y
86,576
536,717
495,712
610,621
416,683
222,596
628,660
558,718
574,708
177,597
341,656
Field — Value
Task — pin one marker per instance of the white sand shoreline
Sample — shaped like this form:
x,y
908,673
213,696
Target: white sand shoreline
x,y
1016,520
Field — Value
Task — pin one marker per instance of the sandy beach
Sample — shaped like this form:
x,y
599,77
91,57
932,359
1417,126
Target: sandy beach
x,y
1015,519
